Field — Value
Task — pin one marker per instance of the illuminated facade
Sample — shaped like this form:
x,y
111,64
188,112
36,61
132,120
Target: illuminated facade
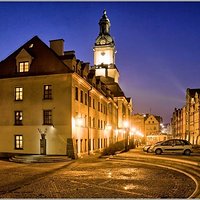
x,y
52,103
149,125
186,121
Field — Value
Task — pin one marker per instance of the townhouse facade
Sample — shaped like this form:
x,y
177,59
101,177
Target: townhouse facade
x,y
149,125
53,103
186,120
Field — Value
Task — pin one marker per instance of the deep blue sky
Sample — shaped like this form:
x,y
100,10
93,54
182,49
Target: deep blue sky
x,y
158,44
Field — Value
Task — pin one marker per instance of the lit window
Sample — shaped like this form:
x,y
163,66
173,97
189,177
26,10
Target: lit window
x,y
47,92
18,117
23,66
18,142
18,94
47,117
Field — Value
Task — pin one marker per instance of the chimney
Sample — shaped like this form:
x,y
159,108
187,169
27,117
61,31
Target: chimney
x,y
57,46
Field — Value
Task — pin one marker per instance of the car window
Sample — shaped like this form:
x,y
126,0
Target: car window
x,y
179,143
168,143
186,142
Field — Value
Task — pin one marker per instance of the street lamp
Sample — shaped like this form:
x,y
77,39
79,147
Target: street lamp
x,y
126,126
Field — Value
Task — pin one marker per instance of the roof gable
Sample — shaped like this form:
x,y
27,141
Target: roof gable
x,y
45,60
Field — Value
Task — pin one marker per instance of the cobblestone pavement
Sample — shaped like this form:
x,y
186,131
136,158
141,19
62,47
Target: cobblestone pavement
x,y
92,177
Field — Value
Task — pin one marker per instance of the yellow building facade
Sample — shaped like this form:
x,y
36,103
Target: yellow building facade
x,y
149,125
52,103
186,121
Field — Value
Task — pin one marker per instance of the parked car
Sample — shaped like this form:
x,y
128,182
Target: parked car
x,y
172,146
147,147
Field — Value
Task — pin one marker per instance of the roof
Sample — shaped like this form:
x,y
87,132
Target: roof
x,y
44,60
192,92
112,86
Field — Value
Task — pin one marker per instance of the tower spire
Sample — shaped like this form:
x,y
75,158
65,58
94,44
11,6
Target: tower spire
x,y
104,51
104,24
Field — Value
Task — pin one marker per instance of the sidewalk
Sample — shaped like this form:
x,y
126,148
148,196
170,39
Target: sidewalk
x,y
39,159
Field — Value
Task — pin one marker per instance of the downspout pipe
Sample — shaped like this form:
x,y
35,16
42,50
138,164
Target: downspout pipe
x,y
89,145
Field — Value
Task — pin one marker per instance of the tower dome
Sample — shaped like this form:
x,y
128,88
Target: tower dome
x,y
104,37
104,51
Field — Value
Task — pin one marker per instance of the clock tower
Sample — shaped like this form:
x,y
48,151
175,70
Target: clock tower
x,y
104,51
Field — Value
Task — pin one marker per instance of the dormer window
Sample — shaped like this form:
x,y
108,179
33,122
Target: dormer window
x,y
23,61
23,66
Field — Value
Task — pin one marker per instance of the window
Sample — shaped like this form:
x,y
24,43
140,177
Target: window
x,y
18,142
85,145
76,93
94,103
81,96
81,145
93,144
18,94
47,117
98,124
98,106
23,66
93,120
98,143
47,92
18,117
90,122
89,101
86,99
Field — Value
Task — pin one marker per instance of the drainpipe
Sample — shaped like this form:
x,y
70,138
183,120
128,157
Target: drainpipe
x,y
88,122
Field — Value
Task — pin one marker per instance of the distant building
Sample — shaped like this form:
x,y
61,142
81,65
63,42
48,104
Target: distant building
x,y
149,125
52,103
186,120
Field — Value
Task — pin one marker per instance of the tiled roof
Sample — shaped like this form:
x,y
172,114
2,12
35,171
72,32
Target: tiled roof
x,y
45,60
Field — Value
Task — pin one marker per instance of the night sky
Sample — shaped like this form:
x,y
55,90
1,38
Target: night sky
x,y
158,44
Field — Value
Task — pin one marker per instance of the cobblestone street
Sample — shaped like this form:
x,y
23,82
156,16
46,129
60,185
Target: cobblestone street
x,y
92,177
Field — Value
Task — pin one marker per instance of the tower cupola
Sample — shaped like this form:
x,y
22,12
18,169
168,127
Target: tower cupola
x,y
104,33
104,51
104,24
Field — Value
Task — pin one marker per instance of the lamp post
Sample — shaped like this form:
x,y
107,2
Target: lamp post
x,y
126,125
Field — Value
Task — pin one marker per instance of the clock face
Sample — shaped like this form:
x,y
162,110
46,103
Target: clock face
x,y
103,53
102,41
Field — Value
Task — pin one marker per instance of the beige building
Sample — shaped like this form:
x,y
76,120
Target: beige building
x,y
186,121
149,125
52,103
